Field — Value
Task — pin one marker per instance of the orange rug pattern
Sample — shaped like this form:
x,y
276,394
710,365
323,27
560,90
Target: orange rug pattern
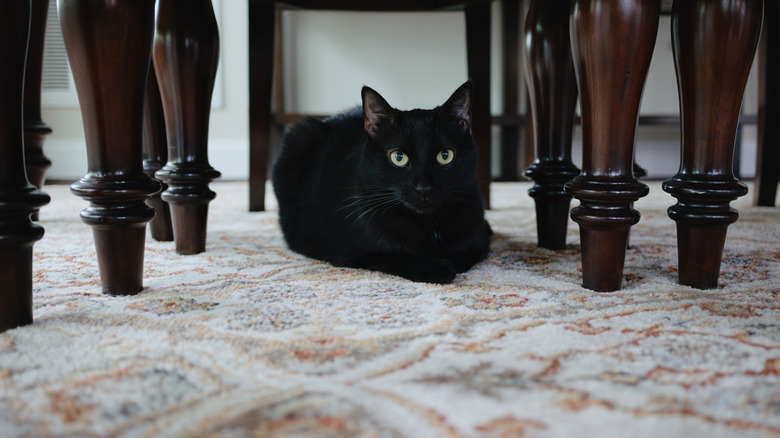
x,y
251,339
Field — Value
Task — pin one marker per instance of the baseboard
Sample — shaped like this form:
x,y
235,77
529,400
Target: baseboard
x,y
69,158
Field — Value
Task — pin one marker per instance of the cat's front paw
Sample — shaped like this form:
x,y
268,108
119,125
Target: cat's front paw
x,y
416,268
439,271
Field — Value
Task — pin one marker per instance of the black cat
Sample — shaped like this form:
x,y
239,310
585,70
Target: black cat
x,y
382,189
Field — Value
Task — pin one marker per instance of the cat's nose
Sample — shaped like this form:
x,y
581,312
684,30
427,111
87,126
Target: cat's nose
x,y
424,190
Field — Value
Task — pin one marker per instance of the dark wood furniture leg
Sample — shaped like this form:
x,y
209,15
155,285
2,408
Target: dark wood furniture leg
x,y
712,70
478,54
109,44
553,91
510,132
262,21
155,155
768,156
18,198
612,44
186,53
35,130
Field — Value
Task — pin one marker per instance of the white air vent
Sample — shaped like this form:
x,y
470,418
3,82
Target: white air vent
x,y
57,87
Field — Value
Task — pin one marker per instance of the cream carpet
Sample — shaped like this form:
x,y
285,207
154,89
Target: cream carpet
x,y
250,339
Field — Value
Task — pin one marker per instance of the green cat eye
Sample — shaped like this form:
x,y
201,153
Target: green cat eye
x,y
445,157
398,158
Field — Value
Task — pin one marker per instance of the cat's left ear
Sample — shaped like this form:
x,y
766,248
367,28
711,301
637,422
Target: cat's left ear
x,y
376,110
458,106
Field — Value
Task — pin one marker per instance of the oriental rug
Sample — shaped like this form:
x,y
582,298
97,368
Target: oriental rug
x,y
252,340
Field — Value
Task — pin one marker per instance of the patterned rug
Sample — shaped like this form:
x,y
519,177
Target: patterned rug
x,y
251,339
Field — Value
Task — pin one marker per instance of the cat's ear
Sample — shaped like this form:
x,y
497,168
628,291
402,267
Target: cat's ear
x,y
458,106
376,110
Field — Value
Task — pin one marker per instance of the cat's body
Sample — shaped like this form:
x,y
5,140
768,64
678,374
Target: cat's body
x,y
383,189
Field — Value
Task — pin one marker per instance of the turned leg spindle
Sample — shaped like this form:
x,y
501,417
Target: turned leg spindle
x,y
186,53
612,44
155,155
109,48
35,130
18,198
553,92
714,43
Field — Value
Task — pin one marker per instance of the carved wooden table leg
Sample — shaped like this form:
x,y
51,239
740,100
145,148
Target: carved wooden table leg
x,y
478,54
35,131
155,155
18,198
109,45
553,91
714,44
612,43
186,52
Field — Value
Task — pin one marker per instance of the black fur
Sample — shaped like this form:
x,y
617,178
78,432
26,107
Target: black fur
x,y
342,200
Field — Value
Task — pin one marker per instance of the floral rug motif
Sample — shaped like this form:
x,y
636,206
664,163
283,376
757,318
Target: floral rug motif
x,y
252,340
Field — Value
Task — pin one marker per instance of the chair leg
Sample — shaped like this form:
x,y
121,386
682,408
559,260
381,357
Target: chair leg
x,y
35,130
612,44
510,132
155,155
18,198
478,54
108,44
712,70
553,91
768,157
186,53
262,16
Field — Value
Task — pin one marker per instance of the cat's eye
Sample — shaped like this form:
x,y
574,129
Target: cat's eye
x,y
445,157
398,158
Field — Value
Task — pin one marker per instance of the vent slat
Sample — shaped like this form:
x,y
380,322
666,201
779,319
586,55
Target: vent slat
x,y
56,75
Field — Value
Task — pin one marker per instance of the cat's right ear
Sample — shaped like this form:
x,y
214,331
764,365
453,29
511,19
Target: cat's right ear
x,y
376,110
458,106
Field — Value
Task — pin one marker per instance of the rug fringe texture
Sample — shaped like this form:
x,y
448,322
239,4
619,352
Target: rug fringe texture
x,y
251,339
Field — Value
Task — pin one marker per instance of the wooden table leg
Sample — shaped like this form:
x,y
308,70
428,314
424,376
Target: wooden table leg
x,y
714,44
18,198
155,155
553,91
186,54
612,44
35,130
109,47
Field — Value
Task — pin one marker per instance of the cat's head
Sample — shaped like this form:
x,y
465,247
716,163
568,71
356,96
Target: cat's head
x,y
425,157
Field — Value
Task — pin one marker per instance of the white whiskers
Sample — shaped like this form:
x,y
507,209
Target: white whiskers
x,y
363,204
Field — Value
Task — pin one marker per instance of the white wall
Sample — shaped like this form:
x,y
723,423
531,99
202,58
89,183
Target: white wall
x,y
413,60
